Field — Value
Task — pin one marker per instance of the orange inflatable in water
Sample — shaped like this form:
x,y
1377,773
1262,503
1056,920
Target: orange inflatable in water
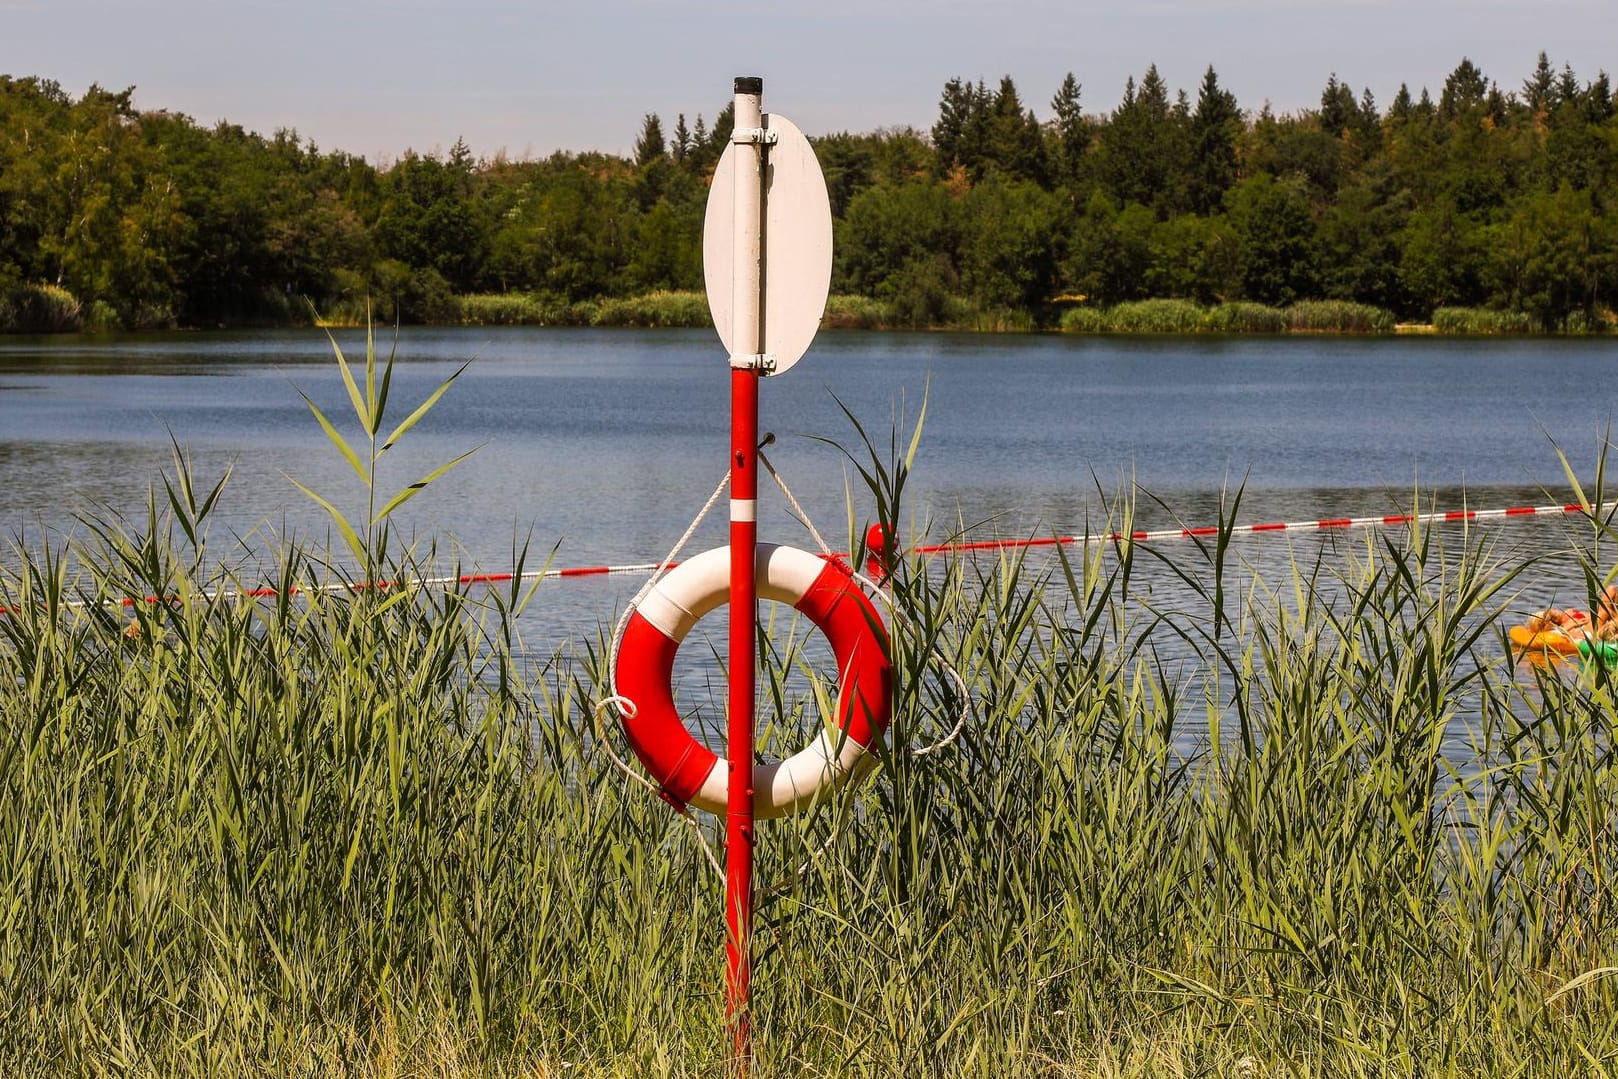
x,y
1555,642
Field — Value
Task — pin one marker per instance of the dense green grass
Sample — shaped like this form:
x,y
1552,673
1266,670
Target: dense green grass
x,y
1480,320
1338,316
1245,318
507,309
1157,316
844,312
1183,316
366,833
661,308
689,309
364,829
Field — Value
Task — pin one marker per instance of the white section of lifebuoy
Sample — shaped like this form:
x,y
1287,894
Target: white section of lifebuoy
x,y
689,591
783,788
783,574
702,583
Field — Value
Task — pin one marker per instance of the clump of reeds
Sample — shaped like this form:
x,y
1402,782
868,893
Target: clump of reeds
x,y
1157,316
1242,317
655,309
1184,316
1141,317
1338,316
1481,320
966,316
39,309
507,309
1082,319
847,312
1583,324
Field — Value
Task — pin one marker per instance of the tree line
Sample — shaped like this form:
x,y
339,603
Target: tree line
x,y
1483,198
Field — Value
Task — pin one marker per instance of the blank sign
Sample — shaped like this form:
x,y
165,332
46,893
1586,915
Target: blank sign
x,y
797,244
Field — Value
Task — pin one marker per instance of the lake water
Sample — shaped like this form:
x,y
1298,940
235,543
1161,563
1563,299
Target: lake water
x,y
605,443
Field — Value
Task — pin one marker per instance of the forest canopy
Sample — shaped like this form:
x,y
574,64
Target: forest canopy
x,y
1483,198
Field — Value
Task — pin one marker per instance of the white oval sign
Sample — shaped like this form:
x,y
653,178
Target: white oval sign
x,y
797,244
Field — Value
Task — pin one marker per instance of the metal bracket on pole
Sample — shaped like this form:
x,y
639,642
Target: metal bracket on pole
x,y
763,363
755,136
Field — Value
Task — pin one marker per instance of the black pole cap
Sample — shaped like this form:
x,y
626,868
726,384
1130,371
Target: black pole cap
x,y
749,84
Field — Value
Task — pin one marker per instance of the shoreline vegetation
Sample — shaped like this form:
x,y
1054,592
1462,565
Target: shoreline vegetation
x,y
46,310
1475,208
365,832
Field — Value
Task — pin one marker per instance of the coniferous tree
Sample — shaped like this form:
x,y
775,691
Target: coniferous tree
x,y
976,137
1369,129
707,145
949,132
1567,85
1403,108
1337,108
1142,156
1539,90
1215,128
681,146
1071,133
724,123
1464,91
1016,145
1599,105
1495,105
650,146
696,158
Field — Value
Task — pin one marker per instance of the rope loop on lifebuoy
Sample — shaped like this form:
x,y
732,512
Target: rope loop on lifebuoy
x,y
687,772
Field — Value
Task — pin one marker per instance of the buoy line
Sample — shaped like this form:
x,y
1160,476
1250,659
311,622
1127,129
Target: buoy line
x,y
875,541
1322,524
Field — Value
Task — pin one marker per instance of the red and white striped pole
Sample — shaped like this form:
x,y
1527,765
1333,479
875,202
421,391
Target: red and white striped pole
x,y
746,362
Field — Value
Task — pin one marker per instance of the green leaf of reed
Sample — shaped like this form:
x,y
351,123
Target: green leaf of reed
x,y
372,417
1581,981
921,419
381,408
360,409
338,440
1572,477
421,410
347,530
416,488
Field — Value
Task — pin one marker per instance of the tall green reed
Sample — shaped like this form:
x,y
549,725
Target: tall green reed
x,y
368,542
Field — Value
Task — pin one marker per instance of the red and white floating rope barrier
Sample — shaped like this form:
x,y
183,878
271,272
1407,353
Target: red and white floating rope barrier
x,y
1391,520
876,542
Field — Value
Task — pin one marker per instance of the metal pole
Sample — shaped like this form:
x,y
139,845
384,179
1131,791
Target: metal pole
x,y
747,341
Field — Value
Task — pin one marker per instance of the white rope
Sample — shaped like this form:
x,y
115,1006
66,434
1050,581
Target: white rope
x,y
797,510
625,705
651,582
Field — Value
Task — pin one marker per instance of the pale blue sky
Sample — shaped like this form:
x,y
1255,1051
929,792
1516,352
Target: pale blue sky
x,y
377,78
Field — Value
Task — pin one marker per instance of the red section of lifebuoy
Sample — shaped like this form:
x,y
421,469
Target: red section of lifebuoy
x,y
688,772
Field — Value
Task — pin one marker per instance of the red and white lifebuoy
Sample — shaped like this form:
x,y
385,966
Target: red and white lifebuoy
x,y
689,773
